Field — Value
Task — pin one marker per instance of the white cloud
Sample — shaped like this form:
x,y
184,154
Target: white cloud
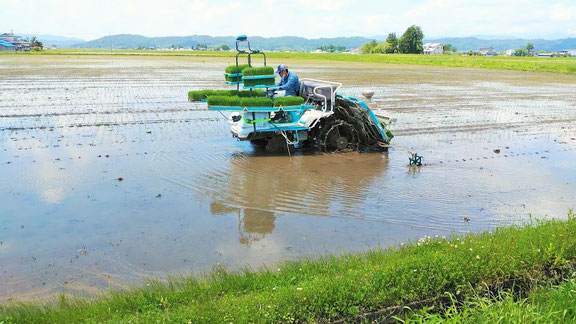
x,y
307,18
326,5
563,12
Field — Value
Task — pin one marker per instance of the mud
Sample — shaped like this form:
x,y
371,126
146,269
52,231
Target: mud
x,y
110,176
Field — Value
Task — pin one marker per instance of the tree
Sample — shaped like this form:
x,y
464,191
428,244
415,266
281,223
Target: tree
x,y
529,47
368,47
411,40
520,52
223,47
380,48
449,48
332,48
391,43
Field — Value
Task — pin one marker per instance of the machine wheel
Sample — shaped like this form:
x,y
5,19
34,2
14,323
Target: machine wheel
x,y
340,136
277,144
261,142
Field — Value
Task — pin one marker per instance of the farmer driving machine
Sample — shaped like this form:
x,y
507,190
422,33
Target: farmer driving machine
x,y
319,117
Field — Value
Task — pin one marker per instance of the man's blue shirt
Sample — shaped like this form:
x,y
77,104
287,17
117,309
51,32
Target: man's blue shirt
x,y
290,83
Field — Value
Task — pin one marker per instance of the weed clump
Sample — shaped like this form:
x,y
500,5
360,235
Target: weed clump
x,y
288,101
256,102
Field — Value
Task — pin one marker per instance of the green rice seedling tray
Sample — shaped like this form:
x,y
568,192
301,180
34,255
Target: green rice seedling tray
x,y
235,77
257,77
262,86
262,109
260,82
262,70
233,69
201,95
288,101
248,93
256,102
223,101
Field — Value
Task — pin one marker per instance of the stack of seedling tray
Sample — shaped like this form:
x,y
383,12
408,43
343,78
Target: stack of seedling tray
x,y
233,73
258,77
220,102
202,95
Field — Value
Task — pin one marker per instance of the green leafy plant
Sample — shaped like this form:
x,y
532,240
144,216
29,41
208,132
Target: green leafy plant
x,y
256,102
288,101
223,101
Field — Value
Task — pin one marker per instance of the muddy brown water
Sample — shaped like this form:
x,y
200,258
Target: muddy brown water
x,y
110,176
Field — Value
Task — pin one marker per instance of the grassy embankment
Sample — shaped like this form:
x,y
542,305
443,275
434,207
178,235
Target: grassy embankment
x,y
338,287
536,64
548,304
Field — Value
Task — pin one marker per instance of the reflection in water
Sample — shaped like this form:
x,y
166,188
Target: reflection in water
x,y
253,224
323,185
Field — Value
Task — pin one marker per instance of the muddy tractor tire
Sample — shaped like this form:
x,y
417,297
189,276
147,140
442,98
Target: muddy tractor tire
x,y
261,143
339,136
277,144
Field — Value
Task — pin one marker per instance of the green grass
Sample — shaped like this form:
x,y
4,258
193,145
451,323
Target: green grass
x,y
545,304
535,64
256,102
255,82
223,100
330,287
203,94
288,101
261,70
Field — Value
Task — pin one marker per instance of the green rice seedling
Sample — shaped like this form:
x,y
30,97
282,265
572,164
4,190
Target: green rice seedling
x,y
256,102
223,101
203,94
232,69
246,93
255,82
198,94
262,70
288,101
233,79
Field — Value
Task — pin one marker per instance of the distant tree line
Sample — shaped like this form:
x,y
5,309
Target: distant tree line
x,y
409,43
332,48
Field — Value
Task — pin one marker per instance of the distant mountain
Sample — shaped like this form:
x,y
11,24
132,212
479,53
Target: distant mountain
x,y
127,41
474,43
53,40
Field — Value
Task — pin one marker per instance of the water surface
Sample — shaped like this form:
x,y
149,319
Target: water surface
x,y
110,176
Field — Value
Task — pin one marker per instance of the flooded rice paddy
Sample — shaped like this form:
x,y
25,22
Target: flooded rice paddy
x,y
110,176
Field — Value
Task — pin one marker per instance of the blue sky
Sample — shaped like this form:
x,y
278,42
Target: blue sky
x,y
90,19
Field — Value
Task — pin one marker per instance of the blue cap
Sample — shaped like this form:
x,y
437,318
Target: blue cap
x,y
281,67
